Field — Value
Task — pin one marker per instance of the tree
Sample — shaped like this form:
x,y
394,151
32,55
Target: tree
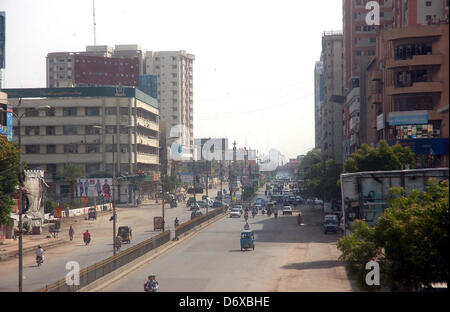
x,y
9,164
170,183
317,184
384,157
410,240
70,174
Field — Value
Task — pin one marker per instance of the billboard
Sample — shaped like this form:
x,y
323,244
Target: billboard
x,y
408,118
94,187
2,38
6,121
99,70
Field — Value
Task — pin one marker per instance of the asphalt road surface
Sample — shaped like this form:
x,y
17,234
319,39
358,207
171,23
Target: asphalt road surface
x,y
140,219
287,257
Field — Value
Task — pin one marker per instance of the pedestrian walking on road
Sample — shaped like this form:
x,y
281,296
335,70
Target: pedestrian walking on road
x,y
71,232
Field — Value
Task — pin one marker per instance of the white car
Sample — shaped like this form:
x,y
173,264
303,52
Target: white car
x,y
317,201
235,213
287,210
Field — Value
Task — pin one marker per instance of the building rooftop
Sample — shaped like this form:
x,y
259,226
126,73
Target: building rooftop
x,y
82,92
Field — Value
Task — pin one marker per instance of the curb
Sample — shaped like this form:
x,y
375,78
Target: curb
x,y
118,274
14,254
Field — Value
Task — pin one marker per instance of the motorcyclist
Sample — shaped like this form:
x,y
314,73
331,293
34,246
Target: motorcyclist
x,y
275,213
246,215
176,222
87,237
40,254
151,285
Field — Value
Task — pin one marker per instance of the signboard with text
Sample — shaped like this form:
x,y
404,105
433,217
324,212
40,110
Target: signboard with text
x,y
408,118
94,187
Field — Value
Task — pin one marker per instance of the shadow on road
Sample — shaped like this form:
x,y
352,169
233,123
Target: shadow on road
x,y
285,229
322,264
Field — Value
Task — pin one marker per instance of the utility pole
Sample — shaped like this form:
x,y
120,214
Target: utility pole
x,y
221,181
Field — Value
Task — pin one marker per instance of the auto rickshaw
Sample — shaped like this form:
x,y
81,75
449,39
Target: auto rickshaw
x,y
247,240
92,214
124,232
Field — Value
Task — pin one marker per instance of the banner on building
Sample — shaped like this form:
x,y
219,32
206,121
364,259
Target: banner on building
x,y
94,187
408,118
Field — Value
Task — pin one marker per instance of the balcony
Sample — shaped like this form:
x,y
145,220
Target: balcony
x,y
416,60
417,87
376,75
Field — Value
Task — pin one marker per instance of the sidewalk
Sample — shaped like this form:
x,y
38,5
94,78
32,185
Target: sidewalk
x,y
9,248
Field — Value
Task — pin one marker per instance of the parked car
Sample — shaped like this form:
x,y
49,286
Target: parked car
x,y
331,224
317,201
299,200
218,204
235,213
287,210
203,203
196,214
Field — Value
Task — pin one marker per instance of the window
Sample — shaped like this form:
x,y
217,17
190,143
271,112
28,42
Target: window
x,y
32,149
157,59
109,148
124,111
91,130
31,112
92,168
70,148
357,28
174,75
51,149
373,39
69,111
358,53
111,110
70,130
174,66
157,67
92,148
50,112
50,130
124,148
174,92
174,83
428,3
110,129
32,130
92,111
174,58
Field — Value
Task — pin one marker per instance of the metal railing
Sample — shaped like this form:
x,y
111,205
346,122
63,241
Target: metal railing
x,y
187,226
108,265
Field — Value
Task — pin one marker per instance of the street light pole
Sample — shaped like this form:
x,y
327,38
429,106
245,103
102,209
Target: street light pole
x,y
19,118
20,211
113,193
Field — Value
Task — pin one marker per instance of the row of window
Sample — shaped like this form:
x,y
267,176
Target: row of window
x,y
73,111
71,130
407,51
90,148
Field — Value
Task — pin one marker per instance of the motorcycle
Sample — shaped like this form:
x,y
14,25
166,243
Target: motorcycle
x,y
276,215
263,212
39,260
117,245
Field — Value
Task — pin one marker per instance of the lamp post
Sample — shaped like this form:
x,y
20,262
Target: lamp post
x,y
113,182
19,118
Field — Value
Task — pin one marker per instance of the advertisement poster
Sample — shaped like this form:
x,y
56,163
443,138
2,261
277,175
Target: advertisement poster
x,y
94,187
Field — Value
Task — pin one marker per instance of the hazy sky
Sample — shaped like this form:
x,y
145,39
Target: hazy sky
x,y
254,67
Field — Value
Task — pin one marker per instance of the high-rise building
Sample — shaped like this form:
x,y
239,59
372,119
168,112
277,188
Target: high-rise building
x,y
408,83
359,37
319,84
332,105
410,13
174,70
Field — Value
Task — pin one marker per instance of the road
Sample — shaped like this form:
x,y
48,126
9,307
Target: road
x,y
287,257
139,218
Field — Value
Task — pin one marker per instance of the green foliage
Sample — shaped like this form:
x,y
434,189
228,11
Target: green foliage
x,y
316,184
49,205
358,249
410,240
170,183
9,164
384,157
70,174
311,158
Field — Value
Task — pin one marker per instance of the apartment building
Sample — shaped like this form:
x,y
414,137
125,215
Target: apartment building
x,y
319,84
97,128
411,13
174,70
408,96
61,65
332,106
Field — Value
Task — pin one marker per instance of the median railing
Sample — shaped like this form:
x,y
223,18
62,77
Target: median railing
x,y
104,267
189,225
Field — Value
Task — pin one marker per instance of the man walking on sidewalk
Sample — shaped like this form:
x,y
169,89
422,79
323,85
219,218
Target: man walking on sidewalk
x,y
71,232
